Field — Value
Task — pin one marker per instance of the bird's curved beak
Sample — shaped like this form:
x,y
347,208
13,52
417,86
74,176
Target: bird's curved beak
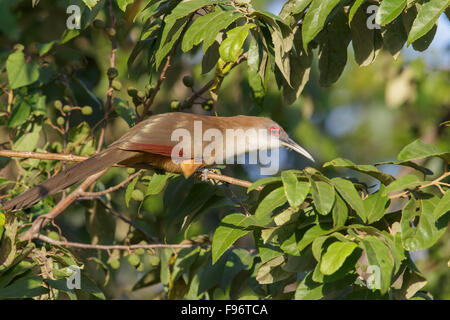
x,y
291,144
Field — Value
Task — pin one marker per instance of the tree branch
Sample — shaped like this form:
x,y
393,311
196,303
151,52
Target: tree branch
x,y
70,157
42,220
113,246
112,64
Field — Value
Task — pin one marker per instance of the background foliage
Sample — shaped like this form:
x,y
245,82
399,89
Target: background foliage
x,y
344,91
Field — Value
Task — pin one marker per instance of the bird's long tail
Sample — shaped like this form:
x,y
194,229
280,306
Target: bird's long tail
x,y
68,177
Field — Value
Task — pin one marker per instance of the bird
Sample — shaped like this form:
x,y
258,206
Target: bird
x,y
153,143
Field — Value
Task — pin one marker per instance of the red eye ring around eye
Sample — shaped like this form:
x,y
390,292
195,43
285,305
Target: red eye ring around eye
x,y
274,131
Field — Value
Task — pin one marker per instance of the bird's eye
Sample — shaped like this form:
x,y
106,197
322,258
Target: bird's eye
x,y
275,131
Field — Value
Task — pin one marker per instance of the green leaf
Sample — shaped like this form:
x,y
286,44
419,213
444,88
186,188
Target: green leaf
x,y
184,8
315,19
207,27
339,212
409,181
21,74
376,205
129,191
389,10
335,256
89,286
310,290
231,228
442,207
273,200
28,141
231,48
157,183
300,64
123,4
429,228
333,43
171,33
282,39
394,37
21,112
419,150
292,7
370,170
296,191
27,287
311,234
271,271
323,195
379,258
86,90
44,48
263,182
367,43
195,34
90,3
354,8
426,18
125,111
347,190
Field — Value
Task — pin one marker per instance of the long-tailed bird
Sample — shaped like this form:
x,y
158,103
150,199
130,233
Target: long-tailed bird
x,y
174,142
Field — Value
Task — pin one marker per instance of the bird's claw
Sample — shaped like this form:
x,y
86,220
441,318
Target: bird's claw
x,y
205,174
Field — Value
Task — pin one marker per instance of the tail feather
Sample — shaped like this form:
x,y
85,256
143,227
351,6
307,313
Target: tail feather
x,y
68,177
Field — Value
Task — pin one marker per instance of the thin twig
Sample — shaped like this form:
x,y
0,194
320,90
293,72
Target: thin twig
x,y
435,183
111,189
70,157
42,220
131,223
112,64
113,246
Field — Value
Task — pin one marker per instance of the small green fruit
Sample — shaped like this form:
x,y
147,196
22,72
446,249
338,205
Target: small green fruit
x,y
154,260
141,94
60,121
58,104
57,147
53,235
116,85
19,47
112,73
208,104
111,32
140,267
131,170
86,110
134,260
188,81
174,104
67,108
115,264
140,251
137,195
132,92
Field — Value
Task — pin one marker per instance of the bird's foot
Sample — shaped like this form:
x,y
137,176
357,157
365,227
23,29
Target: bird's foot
x,y
205,175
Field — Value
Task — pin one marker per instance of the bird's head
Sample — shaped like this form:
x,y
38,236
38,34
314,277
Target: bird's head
x,y
278,136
